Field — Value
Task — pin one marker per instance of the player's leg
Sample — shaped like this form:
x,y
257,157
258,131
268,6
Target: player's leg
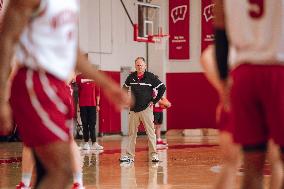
x,y
157,125
274,104
77,165
250,128
253,168
208,63
231,152
231,158
56,159
158,120
158,131
40,171
27,168
274,158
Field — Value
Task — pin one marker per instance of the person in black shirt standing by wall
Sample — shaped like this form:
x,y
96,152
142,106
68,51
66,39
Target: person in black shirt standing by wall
x,y
142,85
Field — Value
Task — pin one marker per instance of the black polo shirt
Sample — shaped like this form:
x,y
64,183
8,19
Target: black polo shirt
x,y
142,90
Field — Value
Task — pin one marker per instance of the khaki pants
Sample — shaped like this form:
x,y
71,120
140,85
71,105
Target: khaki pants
x,y
146,117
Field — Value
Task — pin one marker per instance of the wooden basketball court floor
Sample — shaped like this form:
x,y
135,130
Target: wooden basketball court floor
x,y
188,163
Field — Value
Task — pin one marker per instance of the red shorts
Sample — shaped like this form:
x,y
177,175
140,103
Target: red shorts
x,y
42,107
257,98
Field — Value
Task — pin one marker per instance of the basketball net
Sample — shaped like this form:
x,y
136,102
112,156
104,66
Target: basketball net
x,y
160,42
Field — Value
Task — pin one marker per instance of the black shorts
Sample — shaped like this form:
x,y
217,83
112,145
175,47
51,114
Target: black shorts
x,y
158,118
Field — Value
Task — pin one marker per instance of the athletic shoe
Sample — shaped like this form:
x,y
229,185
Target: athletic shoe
x,y
127,164
21,185
161,143
86,146
76,185
126,159
96,146
155,158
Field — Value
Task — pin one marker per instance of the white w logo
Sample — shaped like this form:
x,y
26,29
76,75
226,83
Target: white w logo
x,y
208,12
178,13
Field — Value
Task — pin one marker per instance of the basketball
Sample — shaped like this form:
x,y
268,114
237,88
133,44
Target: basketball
x,y
164,103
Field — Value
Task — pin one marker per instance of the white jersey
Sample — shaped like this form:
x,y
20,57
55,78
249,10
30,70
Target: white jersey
x,y
49,41
256,30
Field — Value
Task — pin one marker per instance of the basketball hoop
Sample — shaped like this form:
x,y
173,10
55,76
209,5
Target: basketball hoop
x,y
160,41
146,25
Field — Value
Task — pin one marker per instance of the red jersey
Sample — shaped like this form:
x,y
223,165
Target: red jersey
x,y
87,90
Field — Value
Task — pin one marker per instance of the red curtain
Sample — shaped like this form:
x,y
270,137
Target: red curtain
x,y
179,29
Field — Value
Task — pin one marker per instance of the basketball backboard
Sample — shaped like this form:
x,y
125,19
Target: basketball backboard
x,y
147,26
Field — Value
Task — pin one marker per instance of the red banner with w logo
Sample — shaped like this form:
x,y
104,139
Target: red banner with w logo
x,y
179,29
207,33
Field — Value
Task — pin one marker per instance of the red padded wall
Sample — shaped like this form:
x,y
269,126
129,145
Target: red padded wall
x,y
110,120
193,100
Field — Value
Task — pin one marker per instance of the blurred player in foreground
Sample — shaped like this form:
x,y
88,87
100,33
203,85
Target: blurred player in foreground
x,y
231,151
44,33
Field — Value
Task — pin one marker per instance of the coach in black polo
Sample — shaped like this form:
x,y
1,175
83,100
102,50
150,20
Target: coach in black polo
x,y
143,85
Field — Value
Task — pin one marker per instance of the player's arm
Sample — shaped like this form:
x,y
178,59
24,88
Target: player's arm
x,y
221,40
89,71
17,15
221,52
112,90
98,94
126,85
98,97
160,87
208,62
15,19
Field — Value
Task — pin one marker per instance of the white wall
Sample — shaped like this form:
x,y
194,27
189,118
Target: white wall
x,y
106,34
